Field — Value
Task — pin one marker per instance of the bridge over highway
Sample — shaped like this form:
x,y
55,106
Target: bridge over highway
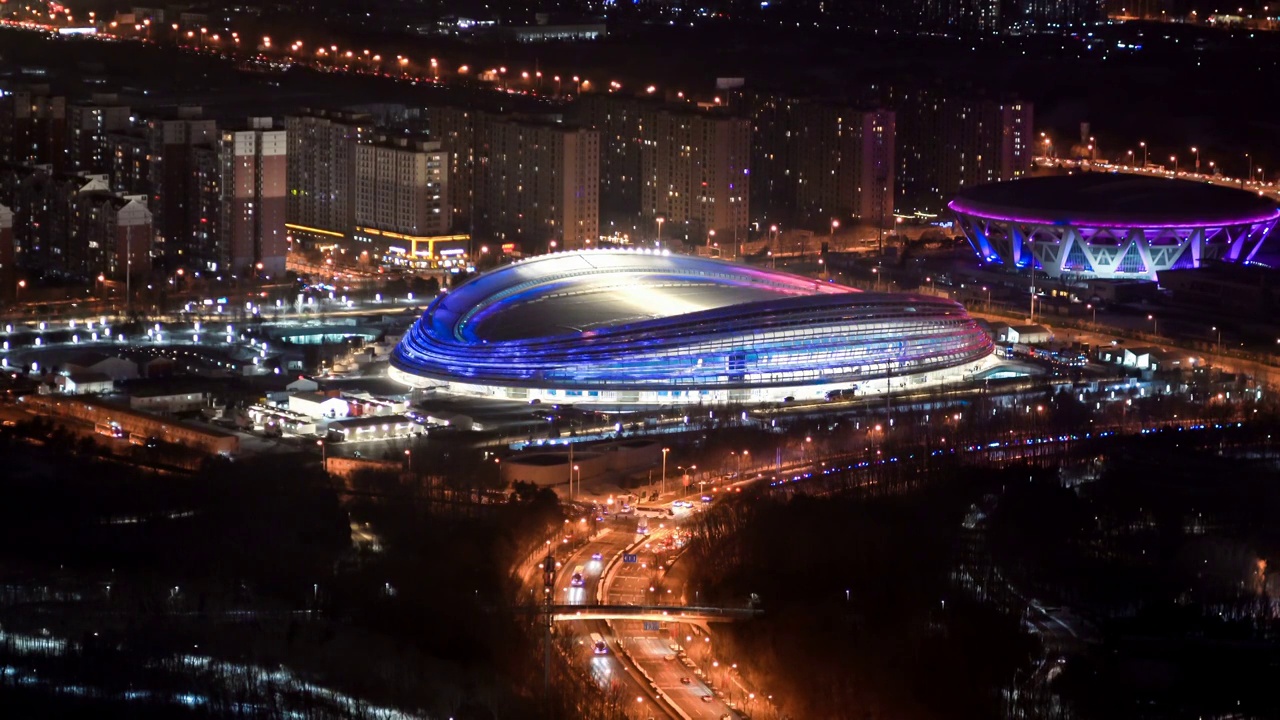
x,y
659,613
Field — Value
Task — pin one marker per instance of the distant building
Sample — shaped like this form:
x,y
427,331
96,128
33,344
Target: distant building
x,y
948,141
321,170
8,267
129,166
456,129
111,235
402,186
622,122
89,124
842,164
540,183
33,126
237,193
174,183
696,176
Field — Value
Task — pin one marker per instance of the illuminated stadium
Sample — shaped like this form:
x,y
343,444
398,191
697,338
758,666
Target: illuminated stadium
x,y
626,327
1114,226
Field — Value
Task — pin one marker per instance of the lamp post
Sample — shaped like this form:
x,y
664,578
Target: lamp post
x,y
1249,158
323,457
1174,159
578,472
1143,145
984,287
408,461
660,220
663,487
1219,331
1094,308
1196,152
1155,324
876,273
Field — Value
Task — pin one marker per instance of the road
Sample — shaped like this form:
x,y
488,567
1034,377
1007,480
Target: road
x,y
667,654
609,670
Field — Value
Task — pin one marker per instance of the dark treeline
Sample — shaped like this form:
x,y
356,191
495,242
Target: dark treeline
x,y
251,564
861,619
1169,554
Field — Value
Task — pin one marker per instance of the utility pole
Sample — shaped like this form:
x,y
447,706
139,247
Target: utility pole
x,y
548,590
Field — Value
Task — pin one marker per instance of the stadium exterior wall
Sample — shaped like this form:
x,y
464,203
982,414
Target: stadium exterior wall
x,y
812,340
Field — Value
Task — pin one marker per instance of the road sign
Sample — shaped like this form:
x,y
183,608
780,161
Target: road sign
x,y
628,558
651,625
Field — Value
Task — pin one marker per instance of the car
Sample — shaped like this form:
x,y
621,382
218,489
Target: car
x,y
707,698
685,681
597,556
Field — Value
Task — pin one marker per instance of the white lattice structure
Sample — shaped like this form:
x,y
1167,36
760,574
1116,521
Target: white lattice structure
x,y
1107,226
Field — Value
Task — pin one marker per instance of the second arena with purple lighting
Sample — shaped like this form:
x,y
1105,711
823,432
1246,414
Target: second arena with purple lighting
x,y
617,327
1111,225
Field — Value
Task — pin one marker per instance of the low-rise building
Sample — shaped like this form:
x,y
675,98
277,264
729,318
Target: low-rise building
x,y
82,382
168,401
133,422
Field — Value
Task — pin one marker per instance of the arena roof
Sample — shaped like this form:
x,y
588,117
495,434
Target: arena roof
x,y
570,293
1114,199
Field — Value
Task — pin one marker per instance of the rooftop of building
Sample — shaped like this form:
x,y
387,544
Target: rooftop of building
x,y
1114,199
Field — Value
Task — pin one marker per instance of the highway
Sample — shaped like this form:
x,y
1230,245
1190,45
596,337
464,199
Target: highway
x,y
665,655
609,670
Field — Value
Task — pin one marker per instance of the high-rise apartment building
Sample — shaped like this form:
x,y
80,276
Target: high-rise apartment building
x,y
842,164
8,260
172,180
402,186
130,162
540,183
110,235
817,161
89,126
33,127
622,122
252,163
948,141
696,176
321,173
457,130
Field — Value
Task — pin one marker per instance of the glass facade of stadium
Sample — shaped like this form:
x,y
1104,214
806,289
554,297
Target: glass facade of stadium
x,y
794,338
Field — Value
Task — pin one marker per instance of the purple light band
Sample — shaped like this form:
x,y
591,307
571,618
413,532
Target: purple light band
x,y
959,207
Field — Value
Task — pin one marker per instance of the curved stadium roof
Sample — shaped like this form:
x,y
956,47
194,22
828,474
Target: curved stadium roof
x,y
626,320
1114,200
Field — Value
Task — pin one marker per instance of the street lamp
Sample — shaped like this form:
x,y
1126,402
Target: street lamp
x,y
1143,145
322,452
663,489
660,220
988,290
576,471
408,460
1094,308
1197,154
1219,331
1174,159
1155,324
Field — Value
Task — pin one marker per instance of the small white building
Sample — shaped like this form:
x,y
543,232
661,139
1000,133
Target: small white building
x,y
83,383
316,405
303,385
